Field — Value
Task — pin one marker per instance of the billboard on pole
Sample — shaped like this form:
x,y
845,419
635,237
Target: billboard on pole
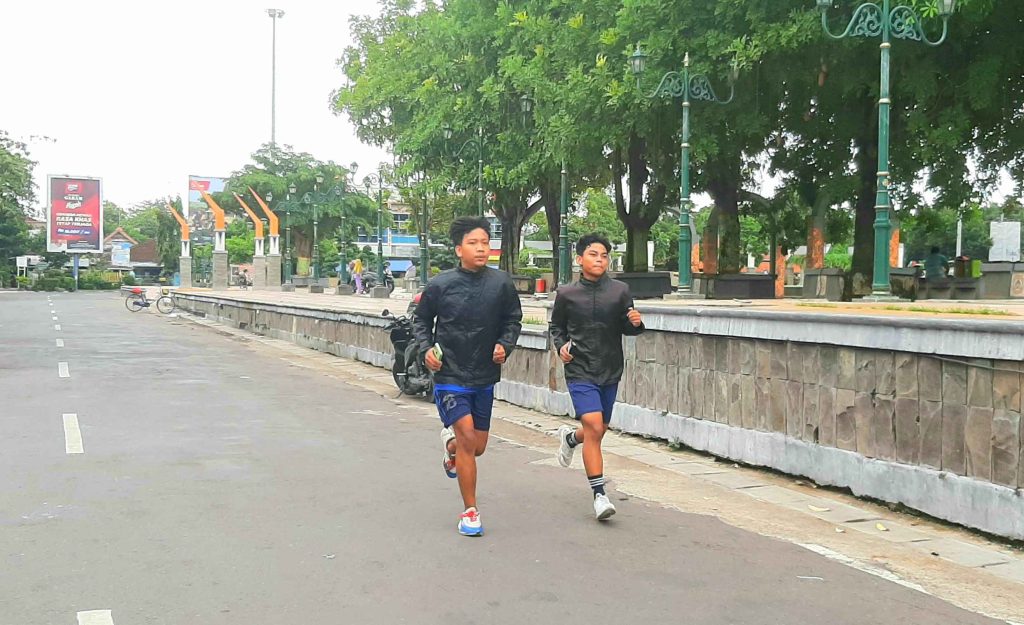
x,y
199,215
74,214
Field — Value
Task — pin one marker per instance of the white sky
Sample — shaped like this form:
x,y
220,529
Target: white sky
x,y
143,94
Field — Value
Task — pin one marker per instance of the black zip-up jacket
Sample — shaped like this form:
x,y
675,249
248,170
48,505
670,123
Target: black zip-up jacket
x,y
593,315
468,313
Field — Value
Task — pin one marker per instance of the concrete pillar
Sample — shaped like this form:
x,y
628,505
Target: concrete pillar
x,y
221,271
259,272
185,271
273,271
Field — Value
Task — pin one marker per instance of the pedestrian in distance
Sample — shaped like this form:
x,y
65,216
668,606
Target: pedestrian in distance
x,y
588,321
466,324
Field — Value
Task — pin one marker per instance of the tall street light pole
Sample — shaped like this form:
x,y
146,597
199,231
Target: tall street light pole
x,y
688,87
902,22
275,14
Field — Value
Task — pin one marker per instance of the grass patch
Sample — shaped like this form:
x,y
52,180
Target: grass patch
x,y
817,305
534,321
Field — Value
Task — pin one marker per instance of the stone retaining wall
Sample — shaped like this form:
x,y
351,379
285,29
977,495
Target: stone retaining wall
x,y
867,406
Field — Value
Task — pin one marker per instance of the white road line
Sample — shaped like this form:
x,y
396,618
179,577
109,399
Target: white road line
x,y
62,370
57,327
55,318
95,617
60,342
72,435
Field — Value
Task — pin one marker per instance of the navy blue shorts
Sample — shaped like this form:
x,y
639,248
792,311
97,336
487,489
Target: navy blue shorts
x,y
455,402
587,398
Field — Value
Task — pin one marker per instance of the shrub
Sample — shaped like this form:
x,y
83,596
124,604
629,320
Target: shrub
x,y
128,280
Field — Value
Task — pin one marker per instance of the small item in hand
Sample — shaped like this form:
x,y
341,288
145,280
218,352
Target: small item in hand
x,y
436,350
571,348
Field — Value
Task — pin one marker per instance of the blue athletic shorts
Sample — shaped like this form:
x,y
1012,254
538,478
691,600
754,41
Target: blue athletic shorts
x,y
587,398
454,402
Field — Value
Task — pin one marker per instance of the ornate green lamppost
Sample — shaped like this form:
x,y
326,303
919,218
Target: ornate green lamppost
x,y
287,204
688,87
370,181
315,198
888,22
475,145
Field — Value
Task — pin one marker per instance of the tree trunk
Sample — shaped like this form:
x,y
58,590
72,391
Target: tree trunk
x,y
636,215
816,233
549,195
726,196
864,220
711,244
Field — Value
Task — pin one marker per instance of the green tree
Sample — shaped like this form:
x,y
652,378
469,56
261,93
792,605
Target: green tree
x,y
274,168
17,192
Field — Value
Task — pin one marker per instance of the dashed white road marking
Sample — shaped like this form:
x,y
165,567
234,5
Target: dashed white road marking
x,y
95,617
62,370
55,318
60,342
72,434
57,327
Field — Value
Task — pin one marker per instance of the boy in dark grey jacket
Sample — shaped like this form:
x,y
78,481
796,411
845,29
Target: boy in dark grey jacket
x,y
473,313
588,321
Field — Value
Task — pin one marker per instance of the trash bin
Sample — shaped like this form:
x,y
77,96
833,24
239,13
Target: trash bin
x,y
961,266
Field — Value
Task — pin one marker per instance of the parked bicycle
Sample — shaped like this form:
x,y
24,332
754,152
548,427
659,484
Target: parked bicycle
x,y
137,300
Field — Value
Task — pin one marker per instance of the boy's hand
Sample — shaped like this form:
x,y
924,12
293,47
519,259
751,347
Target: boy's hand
x,y
634,317
499,354
564,353
432,362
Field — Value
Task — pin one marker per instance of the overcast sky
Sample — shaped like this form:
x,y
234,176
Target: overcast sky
x,y
143,94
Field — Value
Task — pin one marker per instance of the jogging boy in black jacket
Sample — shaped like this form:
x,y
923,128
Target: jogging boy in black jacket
x,y
473,314
588,322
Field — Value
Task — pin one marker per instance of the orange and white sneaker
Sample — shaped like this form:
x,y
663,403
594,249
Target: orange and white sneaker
x,y
469,523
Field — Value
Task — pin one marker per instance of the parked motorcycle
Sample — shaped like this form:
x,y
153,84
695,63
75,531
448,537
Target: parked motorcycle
x,y
370,280
410,373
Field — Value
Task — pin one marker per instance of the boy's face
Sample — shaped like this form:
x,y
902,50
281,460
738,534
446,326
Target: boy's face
x,y
594,260
475,249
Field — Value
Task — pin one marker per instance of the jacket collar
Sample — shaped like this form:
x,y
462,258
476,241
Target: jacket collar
x,y
603,280
467,272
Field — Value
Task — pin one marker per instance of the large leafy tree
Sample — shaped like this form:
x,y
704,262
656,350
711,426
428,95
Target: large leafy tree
x,y
17,192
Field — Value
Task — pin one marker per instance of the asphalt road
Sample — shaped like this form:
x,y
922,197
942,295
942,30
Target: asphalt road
x,y
221,484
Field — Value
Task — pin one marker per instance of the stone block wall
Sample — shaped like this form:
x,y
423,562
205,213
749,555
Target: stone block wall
x,y
962,416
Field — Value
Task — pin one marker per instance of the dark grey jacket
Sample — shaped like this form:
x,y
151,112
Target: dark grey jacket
x,y
468,313
593,316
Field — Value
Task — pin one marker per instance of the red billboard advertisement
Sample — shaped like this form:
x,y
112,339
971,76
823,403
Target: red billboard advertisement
x,y
74,215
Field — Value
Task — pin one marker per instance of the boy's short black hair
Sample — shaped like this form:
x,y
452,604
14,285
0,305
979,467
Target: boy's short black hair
x,y
935,249
589,239
464,225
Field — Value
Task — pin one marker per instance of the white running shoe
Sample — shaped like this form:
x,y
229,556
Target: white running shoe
x,y
448,459
565,452
469,523
603,508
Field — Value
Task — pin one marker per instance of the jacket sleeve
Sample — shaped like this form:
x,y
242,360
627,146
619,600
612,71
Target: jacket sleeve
x,y
423,318
628,329
558,327
512,322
